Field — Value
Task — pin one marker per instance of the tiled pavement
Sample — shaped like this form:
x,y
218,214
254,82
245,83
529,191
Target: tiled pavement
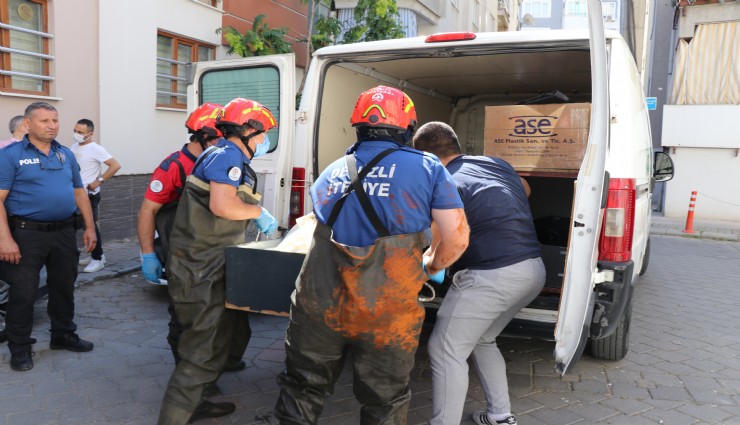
x,y
683,366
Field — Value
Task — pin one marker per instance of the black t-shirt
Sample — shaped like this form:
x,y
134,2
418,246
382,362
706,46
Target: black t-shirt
x,y
497,209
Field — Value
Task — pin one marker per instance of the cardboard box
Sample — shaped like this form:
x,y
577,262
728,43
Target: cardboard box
x,y
549,137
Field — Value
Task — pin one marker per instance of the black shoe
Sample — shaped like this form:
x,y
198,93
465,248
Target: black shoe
x,y
235,367
211,390
71,342
207,409
21,361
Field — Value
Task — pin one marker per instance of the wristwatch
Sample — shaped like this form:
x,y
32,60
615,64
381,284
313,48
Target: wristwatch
x,y
101,180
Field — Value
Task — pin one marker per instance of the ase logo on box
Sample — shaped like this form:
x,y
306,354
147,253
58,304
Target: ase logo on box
x,y
533,126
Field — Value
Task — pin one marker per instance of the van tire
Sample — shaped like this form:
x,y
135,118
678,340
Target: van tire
x,y
616,345
645,259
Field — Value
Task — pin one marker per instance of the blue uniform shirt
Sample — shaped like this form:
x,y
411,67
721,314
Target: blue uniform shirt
x,y
403,189
501,229
223,163
41,187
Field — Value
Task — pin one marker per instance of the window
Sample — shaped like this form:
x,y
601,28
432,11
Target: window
x,y
260,83
24,47
173,53
576,8
609,9
537,8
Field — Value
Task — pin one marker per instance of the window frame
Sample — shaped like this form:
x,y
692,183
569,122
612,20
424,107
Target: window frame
x,y
578,8
175,42
540,3
6,72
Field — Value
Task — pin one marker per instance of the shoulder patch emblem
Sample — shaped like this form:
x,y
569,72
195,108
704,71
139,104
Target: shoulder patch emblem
x,y
234,174
156,186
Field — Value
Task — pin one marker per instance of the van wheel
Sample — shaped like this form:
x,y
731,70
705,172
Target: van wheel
x,y
645,259
616,345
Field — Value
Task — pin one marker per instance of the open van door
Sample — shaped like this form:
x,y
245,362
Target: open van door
x,y
269,80
581,273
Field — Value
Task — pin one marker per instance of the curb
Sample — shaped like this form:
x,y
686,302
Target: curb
x,y
107,275
698,234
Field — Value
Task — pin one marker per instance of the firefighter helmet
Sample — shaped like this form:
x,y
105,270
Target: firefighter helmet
x,y
204,118
384,107
242,111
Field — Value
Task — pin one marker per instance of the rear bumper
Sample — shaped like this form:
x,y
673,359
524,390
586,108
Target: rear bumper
x,y
612,298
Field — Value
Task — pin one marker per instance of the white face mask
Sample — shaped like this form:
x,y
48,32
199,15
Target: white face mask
x,y
79,138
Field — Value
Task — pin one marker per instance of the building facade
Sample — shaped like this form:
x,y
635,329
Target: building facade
x,y
122,64
700,118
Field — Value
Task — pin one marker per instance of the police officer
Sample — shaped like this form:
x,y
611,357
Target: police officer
x,y
40,190
499,274
217,202
358,289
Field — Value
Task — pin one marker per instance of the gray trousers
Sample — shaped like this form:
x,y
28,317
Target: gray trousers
x,y
479,304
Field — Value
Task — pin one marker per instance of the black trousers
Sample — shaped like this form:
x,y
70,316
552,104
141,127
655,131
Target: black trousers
x,y
57,250
97,252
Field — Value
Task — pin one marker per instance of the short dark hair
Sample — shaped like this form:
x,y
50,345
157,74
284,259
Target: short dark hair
x,y
437,138
14,123
88,123
37,105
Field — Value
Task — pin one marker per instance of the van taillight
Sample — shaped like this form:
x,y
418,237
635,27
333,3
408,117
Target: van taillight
x,y
297,194
619,221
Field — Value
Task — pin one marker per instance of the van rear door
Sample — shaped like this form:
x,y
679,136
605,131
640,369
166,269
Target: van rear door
x,y
269,80
578,296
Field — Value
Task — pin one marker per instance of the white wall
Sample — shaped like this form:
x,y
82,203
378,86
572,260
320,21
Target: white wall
x,y
136,132
706,153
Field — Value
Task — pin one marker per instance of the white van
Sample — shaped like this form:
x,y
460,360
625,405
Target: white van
x,y
600,211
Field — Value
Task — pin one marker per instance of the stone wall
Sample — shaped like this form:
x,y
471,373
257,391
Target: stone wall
x,y
120,201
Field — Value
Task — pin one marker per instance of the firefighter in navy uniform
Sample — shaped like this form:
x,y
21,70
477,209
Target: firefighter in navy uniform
x,y
357,291
158,209
218,200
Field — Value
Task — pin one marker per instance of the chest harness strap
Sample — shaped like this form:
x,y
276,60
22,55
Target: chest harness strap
x,y
356,186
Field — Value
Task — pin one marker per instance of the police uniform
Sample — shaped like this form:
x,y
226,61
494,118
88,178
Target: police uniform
x,y
41,216
197,279
358,289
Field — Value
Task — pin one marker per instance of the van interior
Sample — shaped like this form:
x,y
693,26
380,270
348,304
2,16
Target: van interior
x,y
455,87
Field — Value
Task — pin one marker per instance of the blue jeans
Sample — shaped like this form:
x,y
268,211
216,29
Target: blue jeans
x,y
478,306
97,252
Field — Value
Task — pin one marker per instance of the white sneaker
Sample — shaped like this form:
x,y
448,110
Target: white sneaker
x,y
482,418
94,265
84,261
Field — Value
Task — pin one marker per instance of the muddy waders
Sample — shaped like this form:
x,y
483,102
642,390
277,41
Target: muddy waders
x,y
356,301
197,287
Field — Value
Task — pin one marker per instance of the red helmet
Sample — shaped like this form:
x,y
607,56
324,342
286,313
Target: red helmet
x,y
384,107
204,118
242,111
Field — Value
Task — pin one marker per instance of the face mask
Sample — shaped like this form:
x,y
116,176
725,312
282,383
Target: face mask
x,y
263,147
79,138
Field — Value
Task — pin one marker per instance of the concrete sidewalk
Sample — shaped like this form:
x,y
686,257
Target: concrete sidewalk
x,y
123,255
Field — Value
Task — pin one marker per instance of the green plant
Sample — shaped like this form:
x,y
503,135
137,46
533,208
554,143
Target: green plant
x,y
261,40
374,20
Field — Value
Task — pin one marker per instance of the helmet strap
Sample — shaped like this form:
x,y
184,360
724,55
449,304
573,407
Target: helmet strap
x,y
245,141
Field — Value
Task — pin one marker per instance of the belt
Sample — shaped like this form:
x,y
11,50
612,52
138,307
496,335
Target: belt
x,y
23,223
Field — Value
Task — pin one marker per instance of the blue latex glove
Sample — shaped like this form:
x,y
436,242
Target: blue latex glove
x,y
151,267
266,223
438,277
